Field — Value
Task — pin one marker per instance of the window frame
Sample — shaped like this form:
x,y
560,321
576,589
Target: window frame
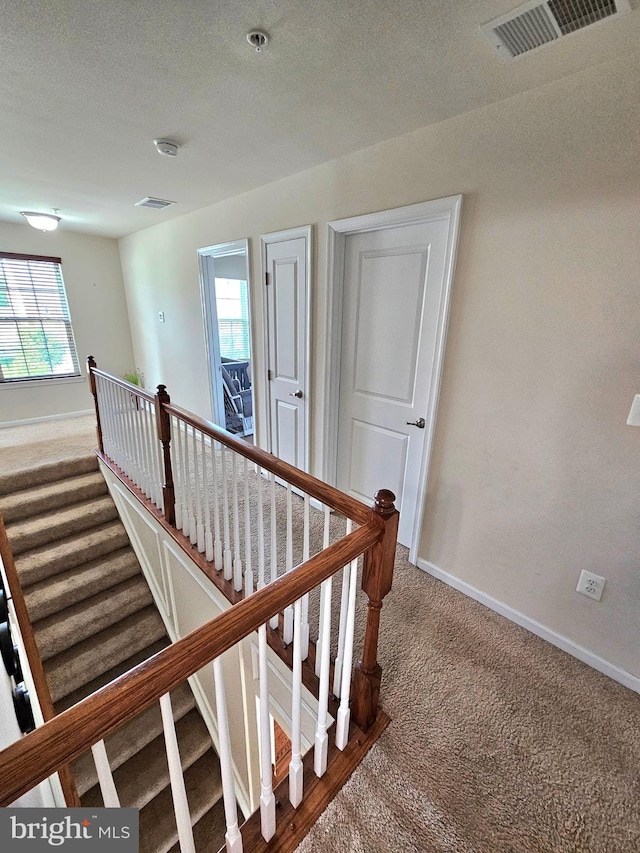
x,y
64,318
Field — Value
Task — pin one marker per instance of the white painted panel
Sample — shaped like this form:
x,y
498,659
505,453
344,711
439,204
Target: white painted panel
x,y
286,431
378,455
388,322
285,291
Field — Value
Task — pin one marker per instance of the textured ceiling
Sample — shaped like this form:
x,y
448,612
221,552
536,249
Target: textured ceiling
x,y
86,86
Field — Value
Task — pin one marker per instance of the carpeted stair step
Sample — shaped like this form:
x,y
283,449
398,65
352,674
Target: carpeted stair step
x,y
146,773
134,735
70,552
47,527
50,472
50,496
76,623
54,593
209,831
111,674
68,671
158,831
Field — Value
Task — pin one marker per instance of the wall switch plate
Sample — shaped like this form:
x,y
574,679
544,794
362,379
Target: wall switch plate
x,y
161,316
591,585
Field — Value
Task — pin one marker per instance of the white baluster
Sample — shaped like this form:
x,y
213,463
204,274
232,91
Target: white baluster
x,y
237,559
133,439
232,837
217,540
188,521
208,535
287,632
178,791
176,465
304,640
344,600
267,799
227,556
117,440
259,483
146,448
105,776
158,474
344,713
198,488
191,484
273,622
325,544
144,429
119,419
295,765
248,569
322,739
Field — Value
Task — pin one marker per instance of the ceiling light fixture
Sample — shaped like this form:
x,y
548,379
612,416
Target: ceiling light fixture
x,y
42,221
166,147
258,39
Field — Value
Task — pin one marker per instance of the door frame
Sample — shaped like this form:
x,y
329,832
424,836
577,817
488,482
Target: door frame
x,y
448,209
210,315
306,232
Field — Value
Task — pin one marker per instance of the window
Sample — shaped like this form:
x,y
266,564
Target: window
x,y
36,339
232,306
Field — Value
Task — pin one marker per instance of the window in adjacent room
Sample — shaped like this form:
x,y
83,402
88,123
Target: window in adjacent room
x,y
36,338
232,305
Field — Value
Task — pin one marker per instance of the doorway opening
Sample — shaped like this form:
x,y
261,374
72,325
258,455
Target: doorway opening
x,y
226,300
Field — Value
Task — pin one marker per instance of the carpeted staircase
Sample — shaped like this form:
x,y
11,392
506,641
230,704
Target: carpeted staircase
x,y
94,618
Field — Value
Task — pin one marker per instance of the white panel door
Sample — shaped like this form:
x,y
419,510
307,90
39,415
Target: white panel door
x,y
287,272
391,305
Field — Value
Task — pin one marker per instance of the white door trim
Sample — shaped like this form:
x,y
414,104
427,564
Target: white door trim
x,y
305,231
209,313
446,208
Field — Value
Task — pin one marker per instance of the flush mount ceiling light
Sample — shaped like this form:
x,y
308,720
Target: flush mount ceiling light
x,y
166,147
41,221
258,39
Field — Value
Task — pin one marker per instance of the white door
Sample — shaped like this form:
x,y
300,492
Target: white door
x,y
286,258
392,307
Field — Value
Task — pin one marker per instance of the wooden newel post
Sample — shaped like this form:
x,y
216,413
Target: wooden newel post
x,y
377,577
91,365
164,435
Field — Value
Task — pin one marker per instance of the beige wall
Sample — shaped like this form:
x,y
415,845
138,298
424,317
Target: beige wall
x,y
93,281
535,475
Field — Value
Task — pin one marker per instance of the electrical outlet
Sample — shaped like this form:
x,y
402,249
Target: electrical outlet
x,y
161,316
591,585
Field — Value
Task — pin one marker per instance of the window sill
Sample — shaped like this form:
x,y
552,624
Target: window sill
x,y
36,383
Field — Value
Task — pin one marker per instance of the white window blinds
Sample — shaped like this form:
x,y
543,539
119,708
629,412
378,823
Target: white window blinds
x,y
36,339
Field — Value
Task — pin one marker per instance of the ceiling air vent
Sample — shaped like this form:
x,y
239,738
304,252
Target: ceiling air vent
x,y
537,23
155,203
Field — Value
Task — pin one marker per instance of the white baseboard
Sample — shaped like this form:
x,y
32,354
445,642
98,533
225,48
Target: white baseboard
x,y
26,421
621,675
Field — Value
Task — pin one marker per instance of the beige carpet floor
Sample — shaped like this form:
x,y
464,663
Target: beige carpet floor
x,y
499,742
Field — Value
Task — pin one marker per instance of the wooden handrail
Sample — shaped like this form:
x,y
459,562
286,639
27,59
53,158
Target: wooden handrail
x,y
128,386
326,494
67,736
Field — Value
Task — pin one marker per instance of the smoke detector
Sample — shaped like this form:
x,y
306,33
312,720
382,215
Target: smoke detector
x,y
542,21
258,39
166,147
